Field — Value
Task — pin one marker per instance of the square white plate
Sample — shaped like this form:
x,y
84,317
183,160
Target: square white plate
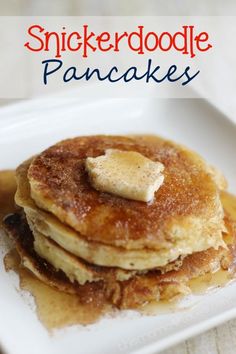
x,y
27,128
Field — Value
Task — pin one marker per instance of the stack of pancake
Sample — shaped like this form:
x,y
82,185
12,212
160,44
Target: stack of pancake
x,y
72,236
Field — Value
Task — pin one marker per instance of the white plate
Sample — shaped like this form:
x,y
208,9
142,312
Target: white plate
x,y
29,127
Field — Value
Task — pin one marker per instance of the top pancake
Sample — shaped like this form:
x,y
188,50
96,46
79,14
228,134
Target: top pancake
x,y
187,203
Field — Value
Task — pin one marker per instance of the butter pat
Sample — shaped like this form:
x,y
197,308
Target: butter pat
x,y
127,174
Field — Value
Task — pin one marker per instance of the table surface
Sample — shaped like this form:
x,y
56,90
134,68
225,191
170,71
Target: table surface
x,y
220,340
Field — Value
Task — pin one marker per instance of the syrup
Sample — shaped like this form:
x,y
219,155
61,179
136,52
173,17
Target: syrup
x,y
57,309
7,192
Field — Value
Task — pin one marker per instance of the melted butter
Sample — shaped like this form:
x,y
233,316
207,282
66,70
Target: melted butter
x,y
56,309
127,174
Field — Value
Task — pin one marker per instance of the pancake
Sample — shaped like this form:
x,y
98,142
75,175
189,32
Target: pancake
x,y
130,293
81,271
75,268
18,230
83,241
187,204
99,253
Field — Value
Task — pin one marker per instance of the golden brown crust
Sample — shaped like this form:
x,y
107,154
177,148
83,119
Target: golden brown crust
x,y
18,230
188,198
130,293
100,253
